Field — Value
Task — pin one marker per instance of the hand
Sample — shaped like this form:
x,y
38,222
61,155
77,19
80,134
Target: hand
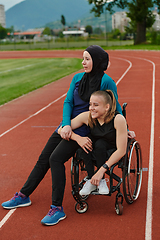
x,y
98,176
131,134
66,132
59,130
85,143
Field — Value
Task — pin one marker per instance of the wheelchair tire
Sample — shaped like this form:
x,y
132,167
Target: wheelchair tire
x,y
81,207
78,175
118,203
132,172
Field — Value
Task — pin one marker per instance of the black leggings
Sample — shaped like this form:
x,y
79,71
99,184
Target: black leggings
x,y
56,152
101,153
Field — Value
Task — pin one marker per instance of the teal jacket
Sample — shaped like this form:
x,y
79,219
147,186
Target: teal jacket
x,y
69,103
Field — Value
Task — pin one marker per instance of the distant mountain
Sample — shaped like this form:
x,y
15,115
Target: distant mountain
x,y
37,13
87,19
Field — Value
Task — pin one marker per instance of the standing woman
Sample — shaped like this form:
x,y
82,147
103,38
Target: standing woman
x,y
95,62
59,148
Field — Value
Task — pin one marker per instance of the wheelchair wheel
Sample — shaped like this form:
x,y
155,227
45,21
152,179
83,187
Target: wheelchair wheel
x,y
78,175
81,207
132,171
118,204
119,208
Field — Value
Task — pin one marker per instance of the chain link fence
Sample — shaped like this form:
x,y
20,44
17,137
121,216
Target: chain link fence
x,y
32,45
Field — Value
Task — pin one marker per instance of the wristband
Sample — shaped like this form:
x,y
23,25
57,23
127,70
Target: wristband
x,y
105,166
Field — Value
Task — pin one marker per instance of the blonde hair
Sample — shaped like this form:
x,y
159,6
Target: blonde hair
x,y
109,98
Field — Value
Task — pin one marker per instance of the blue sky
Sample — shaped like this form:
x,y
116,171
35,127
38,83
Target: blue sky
x,y
9,3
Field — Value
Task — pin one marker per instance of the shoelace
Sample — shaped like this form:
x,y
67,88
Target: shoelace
x,y
15,196
52,211
103,183
86,186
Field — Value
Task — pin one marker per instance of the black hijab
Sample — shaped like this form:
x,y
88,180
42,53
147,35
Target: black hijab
x,y
91,82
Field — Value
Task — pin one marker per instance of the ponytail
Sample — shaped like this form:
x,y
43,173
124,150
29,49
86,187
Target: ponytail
x,y
112,102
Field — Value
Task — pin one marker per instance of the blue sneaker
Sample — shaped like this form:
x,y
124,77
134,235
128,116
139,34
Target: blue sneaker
x,y
17,201
54,215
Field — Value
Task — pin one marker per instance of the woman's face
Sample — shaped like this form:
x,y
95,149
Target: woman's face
x,y
98,108
87,62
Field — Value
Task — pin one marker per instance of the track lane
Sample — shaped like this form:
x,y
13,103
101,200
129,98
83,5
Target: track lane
x,y
133,101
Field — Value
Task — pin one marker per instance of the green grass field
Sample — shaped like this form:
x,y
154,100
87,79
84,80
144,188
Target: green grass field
x,y
20,76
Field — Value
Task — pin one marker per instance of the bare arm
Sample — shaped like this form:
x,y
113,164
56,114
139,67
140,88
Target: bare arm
x,y
76,122
65,132
79,120
84,142
121,142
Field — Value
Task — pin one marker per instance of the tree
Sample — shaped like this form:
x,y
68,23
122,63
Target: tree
x,y
3,32
139,11
47,31
116,33
63,21
10,30
89,29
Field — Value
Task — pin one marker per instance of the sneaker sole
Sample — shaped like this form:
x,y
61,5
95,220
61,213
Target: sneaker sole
x,y
51,224
22,205
88,193
103,193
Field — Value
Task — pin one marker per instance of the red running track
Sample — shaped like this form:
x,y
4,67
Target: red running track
x,y
24,131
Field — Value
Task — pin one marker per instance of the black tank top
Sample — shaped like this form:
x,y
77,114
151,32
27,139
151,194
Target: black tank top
x,y
106,132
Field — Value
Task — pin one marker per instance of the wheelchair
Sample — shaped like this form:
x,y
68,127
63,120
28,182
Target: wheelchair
x,y
131,180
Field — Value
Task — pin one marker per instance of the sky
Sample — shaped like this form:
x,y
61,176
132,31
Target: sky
x,y
9,3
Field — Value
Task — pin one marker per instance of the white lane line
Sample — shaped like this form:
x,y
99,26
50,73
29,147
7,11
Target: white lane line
x,y
148,229
44,126
6,217
41,110
130,65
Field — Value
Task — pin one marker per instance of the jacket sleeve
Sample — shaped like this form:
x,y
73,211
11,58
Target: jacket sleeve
x,y
68,103
108,83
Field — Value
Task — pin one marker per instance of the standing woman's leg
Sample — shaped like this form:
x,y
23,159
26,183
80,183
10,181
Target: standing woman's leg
x,y
62,153
22,199
42,165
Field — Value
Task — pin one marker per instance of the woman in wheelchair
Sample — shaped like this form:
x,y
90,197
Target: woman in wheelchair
x,y
108,138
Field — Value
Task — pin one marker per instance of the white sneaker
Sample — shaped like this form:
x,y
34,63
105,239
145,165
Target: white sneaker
x,y
103,188
87,188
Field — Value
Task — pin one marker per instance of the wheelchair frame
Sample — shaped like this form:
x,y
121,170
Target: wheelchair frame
x,y
131,166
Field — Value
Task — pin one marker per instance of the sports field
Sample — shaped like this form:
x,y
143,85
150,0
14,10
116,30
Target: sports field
x,y
20,76
27,122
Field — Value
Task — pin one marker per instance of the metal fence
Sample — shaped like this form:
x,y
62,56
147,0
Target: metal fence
x,y
31,45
